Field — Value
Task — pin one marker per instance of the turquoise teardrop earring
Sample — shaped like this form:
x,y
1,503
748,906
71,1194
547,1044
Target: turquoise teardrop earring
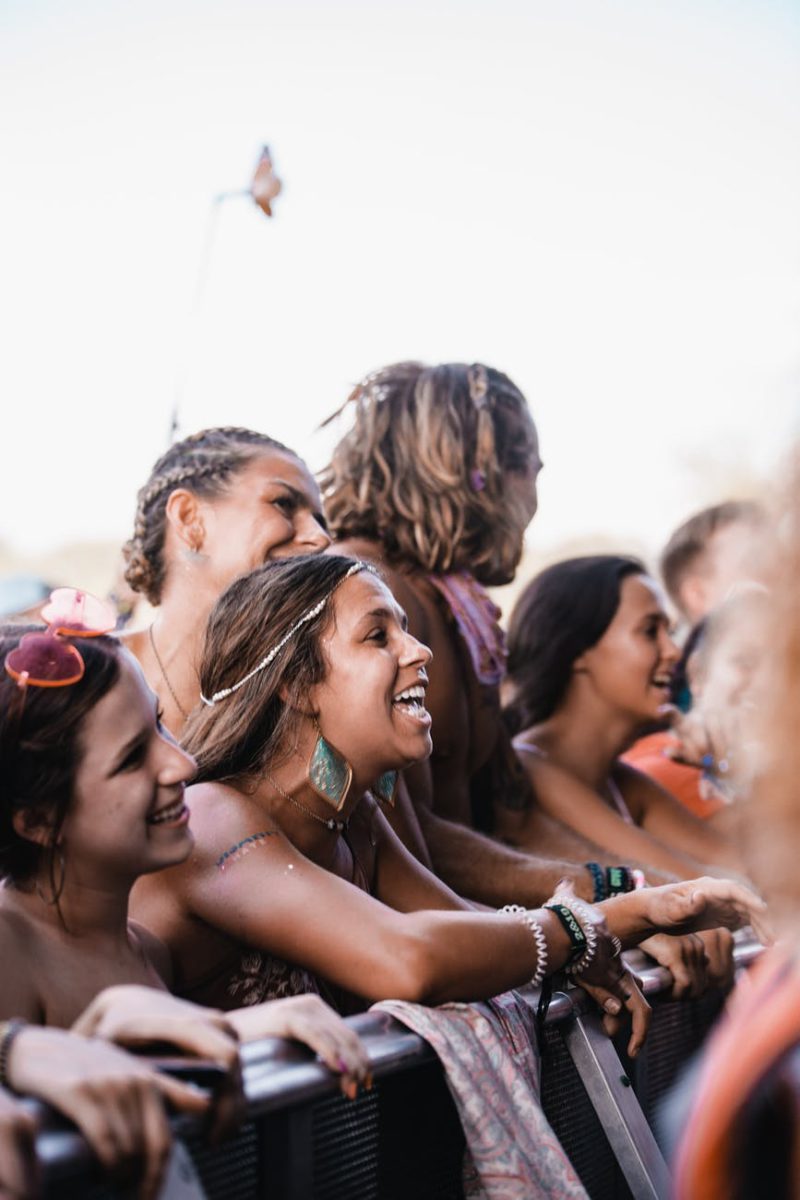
x,y
329,772
385,788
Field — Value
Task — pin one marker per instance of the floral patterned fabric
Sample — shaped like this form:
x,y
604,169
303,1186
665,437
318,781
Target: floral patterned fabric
x,y
491,1060
477,619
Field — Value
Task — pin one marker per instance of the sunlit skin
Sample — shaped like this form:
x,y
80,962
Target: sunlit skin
x,y
292,896
618,686
131,771
128,817
270,509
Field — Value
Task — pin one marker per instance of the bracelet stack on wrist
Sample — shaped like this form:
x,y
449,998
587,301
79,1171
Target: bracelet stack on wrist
x,y
619,880
574,930
527,918
598,879
610,881
8,1032
590,935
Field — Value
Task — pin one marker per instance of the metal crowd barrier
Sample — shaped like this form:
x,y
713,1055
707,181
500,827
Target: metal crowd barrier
x,y
303,1140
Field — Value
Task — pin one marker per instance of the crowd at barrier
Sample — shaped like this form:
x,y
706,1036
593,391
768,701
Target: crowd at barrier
x,y
318,777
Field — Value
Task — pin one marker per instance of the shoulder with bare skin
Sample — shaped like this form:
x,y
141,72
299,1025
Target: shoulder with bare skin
x,y
155,952
20,953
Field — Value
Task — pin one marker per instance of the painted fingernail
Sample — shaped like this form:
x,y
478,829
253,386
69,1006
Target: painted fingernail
x,y
342,1065
368,1081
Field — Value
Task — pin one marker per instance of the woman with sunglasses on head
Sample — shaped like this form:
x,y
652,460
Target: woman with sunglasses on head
x,y
217,504
92,796
296,881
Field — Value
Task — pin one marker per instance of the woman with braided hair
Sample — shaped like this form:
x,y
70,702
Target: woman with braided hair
x,y
216,505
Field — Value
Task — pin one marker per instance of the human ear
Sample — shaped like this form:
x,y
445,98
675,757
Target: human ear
x,y
581,665
31,827
182,511
289,699
694,597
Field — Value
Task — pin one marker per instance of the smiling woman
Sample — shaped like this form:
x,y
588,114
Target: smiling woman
x,y
216,505
296,881
590,665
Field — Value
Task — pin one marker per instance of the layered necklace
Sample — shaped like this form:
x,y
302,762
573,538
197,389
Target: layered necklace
x,y
165,676
329,822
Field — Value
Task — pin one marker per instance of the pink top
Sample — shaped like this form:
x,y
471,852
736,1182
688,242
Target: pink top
x,y
477,618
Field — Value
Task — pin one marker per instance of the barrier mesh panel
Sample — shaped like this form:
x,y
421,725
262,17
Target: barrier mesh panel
x,y
575,1123
677,1031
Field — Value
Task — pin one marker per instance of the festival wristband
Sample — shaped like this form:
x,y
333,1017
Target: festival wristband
x,y
619,880
574,931
599,881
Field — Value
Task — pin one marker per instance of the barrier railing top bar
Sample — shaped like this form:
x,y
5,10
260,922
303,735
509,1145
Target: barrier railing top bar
x,y
280,1074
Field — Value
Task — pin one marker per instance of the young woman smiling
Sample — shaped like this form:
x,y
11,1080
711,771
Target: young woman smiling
x,y
590,665
91,797
216,505
296,881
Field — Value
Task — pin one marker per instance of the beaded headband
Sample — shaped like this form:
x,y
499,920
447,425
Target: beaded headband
x,y
356,568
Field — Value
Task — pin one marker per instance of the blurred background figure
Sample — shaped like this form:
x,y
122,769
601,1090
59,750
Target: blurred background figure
x,y
742,1128
22,596
708,554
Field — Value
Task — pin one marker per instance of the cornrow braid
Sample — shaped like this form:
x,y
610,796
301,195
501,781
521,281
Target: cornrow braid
x,y
204,463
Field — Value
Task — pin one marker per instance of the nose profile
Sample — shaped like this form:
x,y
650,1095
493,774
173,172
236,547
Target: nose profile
x,y
312,534
417,651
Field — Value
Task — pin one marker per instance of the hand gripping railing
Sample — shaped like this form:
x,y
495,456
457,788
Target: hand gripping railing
x,y
281,1077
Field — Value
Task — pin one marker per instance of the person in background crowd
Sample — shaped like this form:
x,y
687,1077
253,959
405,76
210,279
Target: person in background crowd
x,y
435,482
708,554
296,881
695,759
590,664
740,1110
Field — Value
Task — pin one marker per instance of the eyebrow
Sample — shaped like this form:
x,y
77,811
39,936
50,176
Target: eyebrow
x,y
387,614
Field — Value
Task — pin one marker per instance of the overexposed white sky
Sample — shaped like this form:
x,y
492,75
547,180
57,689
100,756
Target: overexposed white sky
x,y
600,198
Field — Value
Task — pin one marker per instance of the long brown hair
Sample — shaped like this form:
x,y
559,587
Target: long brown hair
x,y
240,735
424,465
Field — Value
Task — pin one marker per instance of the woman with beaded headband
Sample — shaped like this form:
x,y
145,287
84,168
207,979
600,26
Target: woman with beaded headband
x,y
297,881
435,480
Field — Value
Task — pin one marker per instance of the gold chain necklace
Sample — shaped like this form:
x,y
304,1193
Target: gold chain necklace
x,y
328,822
163,671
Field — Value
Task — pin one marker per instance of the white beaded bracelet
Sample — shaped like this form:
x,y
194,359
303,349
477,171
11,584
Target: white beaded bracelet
x,y
589,932
526,916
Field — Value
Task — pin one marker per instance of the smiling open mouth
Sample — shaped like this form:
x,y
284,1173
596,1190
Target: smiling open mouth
x,y
173,812
411,701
